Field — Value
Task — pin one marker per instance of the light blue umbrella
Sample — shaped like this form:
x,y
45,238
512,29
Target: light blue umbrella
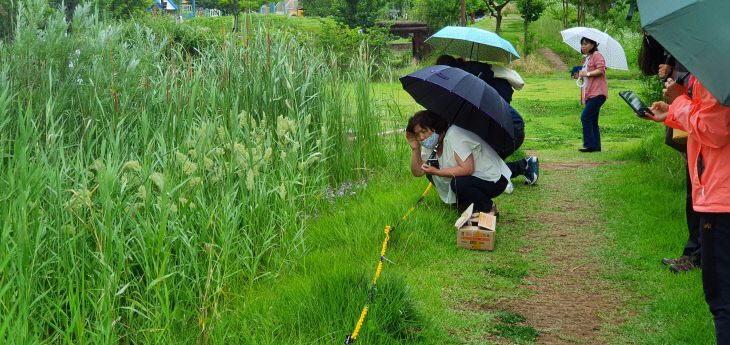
x,y
473,43
697,34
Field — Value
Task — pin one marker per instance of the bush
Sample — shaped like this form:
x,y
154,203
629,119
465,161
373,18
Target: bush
x,y
192,39
346,43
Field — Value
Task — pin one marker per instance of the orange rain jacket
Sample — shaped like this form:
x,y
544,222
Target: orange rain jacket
x,y
708,147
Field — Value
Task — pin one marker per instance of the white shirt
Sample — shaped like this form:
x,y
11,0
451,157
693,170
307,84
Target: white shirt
x,y
510,75
488,165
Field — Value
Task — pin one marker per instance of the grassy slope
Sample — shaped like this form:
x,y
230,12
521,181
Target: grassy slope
x,y
418,300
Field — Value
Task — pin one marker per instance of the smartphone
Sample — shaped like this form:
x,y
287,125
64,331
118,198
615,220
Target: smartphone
x,y
575,70
635,103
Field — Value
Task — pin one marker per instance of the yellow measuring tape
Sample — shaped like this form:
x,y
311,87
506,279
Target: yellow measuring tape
x,y
351,337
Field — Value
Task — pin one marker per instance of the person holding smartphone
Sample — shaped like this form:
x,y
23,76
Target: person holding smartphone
x,y
654,60
707,121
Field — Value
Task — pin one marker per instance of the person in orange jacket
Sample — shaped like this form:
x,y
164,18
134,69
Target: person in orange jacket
x,y
695,111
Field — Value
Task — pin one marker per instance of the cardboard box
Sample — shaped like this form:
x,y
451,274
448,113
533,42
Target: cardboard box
x,y
476,230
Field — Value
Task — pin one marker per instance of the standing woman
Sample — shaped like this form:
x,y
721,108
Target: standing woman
x,y
594,91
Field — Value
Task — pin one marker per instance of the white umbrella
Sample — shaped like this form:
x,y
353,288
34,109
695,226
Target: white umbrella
x,y
609,47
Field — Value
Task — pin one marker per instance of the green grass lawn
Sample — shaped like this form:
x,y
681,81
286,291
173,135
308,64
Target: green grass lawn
x,y
437,293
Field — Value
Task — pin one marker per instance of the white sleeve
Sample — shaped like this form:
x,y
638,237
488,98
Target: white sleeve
x,y
463,147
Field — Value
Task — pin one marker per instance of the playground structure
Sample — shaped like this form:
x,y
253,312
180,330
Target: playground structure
x,y
290,8
186,9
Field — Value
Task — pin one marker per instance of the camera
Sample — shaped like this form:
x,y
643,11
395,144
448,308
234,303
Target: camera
x,y
434,162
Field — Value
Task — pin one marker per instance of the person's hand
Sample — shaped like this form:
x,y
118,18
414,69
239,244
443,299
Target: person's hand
x,y
582,73
672,90
429,170
660,110
664,71
413,141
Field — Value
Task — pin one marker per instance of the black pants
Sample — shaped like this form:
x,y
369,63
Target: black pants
x,y
715,237
470,189
518,167
692,248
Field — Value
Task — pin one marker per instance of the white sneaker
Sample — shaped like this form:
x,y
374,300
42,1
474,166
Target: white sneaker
x,y
533,170
510,188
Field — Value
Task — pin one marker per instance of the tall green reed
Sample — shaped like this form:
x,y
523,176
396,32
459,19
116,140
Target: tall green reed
x,y
143,188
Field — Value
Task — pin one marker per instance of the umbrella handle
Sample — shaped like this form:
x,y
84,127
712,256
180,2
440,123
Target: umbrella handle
x,y
580,82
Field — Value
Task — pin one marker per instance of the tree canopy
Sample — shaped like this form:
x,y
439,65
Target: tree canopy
x,y
358,13
125,9
439,13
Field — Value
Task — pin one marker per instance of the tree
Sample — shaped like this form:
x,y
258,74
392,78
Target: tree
x,y
320,8
495,10
439,13
125,9
358,13
69,5
581,12
530,11
474,6
235,7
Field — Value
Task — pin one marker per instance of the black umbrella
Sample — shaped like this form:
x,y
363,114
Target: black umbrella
x,y
464,100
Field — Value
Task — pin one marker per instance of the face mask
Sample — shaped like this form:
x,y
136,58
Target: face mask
x,y
431,141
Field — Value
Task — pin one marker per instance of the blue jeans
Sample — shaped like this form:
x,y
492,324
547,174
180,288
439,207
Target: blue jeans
x,y
589,119
715,238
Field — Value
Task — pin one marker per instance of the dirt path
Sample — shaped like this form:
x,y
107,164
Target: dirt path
x,y
556,63
570,302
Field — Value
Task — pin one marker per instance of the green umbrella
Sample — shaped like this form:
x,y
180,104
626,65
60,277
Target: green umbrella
x,y
697,34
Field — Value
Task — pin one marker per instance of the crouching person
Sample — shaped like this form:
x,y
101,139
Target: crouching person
x,y
468,170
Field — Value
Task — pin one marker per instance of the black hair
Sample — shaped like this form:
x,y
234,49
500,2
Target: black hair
x,y
588,40
427,119
651,55
447,60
